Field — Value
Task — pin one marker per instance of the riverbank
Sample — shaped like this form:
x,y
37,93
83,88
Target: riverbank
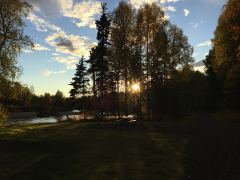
x,y
121,150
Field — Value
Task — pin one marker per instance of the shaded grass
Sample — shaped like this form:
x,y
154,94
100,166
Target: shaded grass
x,y
91,151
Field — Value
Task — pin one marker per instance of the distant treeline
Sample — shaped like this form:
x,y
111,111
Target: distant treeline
x,y
20,98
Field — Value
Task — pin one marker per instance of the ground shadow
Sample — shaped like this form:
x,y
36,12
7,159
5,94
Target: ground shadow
x,y
213,152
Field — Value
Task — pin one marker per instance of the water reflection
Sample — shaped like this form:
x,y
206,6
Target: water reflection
x,y
42,120
33,121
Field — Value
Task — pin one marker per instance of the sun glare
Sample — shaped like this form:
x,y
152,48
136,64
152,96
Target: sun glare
x,y
136,87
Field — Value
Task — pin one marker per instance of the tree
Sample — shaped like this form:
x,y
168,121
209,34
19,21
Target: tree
x,y
80,81
214,97
59,100
152,21
226,52
93,69
121,37
12,38
136,66
102,64
102,70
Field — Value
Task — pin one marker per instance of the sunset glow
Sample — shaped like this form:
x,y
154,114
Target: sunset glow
x,y
136,88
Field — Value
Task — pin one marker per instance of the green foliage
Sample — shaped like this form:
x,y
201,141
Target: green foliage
x,y
13,40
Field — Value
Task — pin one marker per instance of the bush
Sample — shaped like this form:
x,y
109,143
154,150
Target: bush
x,y
3,116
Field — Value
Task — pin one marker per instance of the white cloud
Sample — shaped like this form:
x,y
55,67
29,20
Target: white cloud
x,y
168,1
55,54
39,47
84,11
138,3
166,17
206,43
47,72
68,61
170,8
196,24
41,24
186,12
70,44
200,69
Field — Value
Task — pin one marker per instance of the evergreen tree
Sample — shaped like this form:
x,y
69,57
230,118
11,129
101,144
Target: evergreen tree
x,y
102,61
80,81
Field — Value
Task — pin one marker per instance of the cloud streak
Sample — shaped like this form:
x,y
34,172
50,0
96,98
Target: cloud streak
x,y
41,24
206,43
39,47
47,72
69,61
138,3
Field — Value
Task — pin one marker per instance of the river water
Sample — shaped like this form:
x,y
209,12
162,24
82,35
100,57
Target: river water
x,y
52,119
40,120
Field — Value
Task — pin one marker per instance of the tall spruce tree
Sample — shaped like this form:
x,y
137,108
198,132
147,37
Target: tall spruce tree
x,y
80,81
102,61
102,73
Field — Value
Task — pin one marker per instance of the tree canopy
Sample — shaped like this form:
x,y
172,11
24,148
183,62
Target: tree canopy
x,y
12,38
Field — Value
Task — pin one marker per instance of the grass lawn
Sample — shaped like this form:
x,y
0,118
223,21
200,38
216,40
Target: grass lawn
x,y
122,150
91,151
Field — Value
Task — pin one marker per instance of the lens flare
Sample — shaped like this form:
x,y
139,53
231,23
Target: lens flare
x,y
136,87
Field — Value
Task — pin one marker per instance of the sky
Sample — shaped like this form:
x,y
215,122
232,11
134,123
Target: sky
x,y
64,30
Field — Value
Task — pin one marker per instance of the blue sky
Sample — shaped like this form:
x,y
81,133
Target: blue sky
x,y
64,30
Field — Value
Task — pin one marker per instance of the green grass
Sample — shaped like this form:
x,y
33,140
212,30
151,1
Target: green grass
x,y
91,151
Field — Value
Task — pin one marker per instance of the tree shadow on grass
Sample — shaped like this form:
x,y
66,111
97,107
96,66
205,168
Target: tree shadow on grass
x,y
213,153
91,151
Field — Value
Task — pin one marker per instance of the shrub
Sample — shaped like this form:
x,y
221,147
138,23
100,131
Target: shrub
x,y
3,116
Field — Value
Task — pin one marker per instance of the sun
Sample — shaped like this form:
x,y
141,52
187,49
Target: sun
x,y
136,87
